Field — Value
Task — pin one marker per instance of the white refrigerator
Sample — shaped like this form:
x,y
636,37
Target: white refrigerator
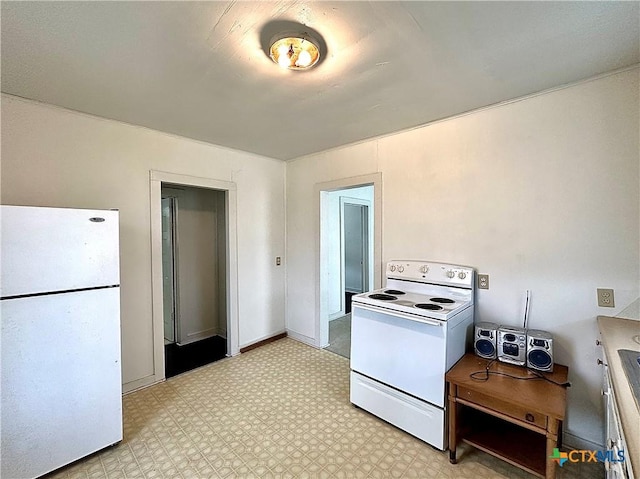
x,y
61,387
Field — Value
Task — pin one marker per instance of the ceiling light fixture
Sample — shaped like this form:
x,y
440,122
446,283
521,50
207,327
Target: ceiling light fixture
x,y
295,51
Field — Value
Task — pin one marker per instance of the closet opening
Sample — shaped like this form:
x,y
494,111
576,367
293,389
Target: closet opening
x,y
194,279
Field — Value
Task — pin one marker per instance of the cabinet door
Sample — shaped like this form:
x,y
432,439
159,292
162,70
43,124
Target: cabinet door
x,y
613,440
611,421
615,470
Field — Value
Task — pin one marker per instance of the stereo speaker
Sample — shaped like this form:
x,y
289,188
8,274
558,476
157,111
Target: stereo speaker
x,y
512,345
485,340
539,350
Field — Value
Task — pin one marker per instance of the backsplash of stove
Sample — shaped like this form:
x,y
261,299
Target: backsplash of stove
x,y
631,312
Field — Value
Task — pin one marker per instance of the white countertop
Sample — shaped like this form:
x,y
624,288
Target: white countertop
x,y
617,333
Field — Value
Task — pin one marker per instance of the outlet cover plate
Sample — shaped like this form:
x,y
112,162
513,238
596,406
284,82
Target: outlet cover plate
x,y
483,281
605,298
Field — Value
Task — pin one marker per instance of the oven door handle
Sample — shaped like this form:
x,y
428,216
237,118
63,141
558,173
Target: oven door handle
x,y
398,314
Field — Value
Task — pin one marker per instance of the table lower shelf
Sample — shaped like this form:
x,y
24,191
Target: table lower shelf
x,y
516,445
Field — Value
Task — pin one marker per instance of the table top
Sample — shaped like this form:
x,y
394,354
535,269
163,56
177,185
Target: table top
x,y
514,384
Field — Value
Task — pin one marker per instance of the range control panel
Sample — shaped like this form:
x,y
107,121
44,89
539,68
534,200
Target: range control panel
x,y
430,272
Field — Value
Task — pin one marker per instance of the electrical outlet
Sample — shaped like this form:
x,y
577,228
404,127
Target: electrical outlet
x,y
605,298
483,281
278,260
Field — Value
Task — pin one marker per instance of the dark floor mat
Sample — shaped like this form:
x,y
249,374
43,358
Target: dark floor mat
x,y
179,359
347,301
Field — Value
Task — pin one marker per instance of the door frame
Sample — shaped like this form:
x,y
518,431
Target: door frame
x,y
156,179
375,180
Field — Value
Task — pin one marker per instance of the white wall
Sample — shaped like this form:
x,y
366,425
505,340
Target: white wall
x,y
55,157
541,194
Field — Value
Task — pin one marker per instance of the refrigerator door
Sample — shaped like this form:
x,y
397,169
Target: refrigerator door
x,y
60,379
57,249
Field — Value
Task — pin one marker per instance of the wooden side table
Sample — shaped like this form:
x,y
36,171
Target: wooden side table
x,y
518,421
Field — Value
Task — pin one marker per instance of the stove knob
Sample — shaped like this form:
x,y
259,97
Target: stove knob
x,y
424,269
392,267
400,269
450,274
462,275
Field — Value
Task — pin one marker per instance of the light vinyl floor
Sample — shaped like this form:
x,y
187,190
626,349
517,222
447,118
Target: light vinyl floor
x,y
278,411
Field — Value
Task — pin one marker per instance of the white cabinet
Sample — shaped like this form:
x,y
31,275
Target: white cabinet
x,y
614,439
622,414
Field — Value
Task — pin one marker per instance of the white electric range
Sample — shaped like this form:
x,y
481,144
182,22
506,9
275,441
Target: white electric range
x,y
405,337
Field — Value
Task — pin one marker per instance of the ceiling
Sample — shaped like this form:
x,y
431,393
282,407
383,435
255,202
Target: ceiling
x,y
199,69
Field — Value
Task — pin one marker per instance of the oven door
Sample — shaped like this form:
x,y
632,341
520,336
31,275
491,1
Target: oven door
x,y
403,351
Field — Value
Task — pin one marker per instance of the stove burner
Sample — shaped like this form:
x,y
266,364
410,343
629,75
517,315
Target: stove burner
x,y
383,297
432,307
394,291
442,300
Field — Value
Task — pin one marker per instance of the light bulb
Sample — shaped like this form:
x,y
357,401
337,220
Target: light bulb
x,y
294,52
304,59
283,56
284,61
283,50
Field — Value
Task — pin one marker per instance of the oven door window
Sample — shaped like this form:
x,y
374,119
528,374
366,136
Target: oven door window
x,y
405,354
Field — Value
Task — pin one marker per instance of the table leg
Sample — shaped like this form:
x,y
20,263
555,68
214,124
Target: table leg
x,y
552,442
453,440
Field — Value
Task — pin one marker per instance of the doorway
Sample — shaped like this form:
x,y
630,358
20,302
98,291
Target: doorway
x,y
156,180
347,250
194,280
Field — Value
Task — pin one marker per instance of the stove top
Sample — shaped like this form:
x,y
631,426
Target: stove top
x,y
442,303
424,289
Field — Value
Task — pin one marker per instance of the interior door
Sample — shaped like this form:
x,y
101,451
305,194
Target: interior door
x,y
168,269
355,247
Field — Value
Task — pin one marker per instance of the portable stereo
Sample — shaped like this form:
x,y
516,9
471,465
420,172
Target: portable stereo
x,y
485,340
512,345
539,350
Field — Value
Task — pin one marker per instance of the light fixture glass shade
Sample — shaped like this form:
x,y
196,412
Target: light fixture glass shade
x,y
297,52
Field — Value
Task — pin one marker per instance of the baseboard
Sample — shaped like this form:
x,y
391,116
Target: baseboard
x,y
198,336
142,383
302,338
574,442
262,342
339,317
